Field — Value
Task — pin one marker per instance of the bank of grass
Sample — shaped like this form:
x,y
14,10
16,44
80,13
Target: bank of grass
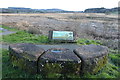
x,y
110,70
25,37
22,37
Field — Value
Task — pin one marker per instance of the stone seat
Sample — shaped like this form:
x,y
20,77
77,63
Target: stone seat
x,y
59,61
82,60
93,57
25,56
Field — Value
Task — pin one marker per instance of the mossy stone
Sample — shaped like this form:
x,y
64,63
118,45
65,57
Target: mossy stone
x,y
25,56
93,57
59,61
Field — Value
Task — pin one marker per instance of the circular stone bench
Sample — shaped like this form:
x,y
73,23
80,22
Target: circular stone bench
x,y
93,57
59,61
25,56
34,59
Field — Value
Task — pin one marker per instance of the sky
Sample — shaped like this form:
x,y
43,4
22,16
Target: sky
x,y
70,5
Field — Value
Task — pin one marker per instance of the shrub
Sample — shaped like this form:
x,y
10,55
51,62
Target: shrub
x,y
34,30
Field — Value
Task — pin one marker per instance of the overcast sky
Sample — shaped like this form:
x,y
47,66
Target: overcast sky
x,y
73,5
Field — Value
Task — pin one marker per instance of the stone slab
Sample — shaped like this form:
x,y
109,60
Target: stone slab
x,y
70,46
91,51
59,61
93,57
25,56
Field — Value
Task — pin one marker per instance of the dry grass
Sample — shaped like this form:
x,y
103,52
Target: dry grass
x,y
85,25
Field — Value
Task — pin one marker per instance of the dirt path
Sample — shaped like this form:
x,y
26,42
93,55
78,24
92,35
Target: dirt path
x,y
4,46
6,32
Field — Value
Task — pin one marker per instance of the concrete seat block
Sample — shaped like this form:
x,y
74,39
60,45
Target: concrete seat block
x,y
25,56
93,57
59,61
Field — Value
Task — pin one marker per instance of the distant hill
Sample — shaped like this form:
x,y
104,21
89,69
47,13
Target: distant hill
x,y
103,10
29,10
54,10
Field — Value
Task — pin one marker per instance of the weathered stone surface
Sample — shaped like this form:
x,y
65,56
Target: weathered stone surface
x,y
93,57
25,56
59,61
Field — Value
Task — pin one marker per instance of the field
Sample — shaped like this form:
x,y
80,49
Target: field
x,y
85,25
89,28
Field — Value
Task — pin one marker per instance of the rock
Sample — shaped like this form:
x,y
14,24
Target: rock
x,y
59,61
93,57
25,56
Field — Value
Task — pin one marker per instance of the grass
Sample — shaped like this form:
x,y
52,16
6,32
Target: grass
x,y
24,37
9,71
115,58
87,42
111,69
1,31
0,63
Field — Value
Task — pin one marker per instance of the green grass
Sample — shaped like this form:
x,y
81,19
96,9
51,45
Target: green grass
x,y
115,58
110,70
24,37
87,42
8,71
0,63
1,31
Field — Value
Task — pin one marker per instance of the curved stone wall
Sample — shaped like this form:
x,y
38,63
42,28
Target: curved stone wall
x,y
84,59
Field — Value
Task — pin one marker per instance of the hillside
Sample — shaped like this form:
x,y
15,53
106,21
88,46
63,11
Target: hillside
x,y
102,10
29,10
55,10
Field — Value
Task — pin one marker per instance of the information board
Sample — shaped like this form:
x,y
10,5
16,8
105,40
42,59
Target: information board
x,y
62,35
